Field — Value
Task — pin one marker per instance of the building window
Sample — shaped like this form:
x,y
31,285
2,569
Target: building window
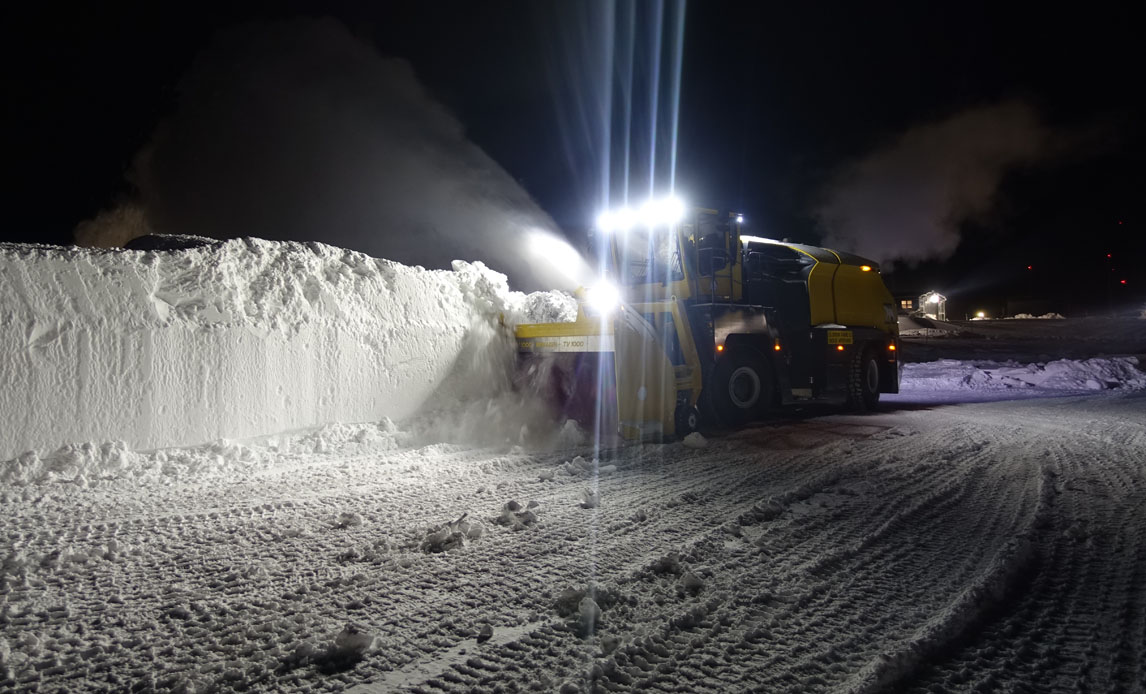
x,y
907,304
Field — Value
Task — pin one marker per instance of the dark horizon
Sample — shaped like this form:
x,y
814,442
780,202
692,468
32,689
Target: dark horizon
x,y
777,105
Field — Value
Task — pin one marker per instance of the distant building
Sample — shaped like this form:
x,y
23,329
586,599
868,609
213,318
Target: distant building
x,y
930,305
933,305
906,304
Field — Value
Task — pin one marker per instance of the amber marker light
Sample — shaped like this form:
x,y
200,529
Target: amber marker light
x,y
865,268
776,346
839,348
891,347
720,348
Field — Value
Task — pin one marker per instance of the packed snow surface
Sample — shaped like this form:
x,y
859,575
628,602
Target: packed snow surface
x,y
994,546
247,337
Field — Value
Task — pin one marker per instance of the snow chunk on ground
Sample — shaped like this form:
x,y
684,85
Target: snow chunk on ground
x,y
90,464
695,440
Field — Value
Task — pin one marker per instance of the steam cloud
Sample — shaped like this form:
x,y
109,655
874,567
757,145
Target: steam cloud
x,y
301,131
907,202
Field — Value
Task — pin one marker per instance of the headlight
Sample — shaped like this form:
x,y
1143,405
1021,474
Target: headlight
x,y
624,219
606,222
654,213
663,212
602,299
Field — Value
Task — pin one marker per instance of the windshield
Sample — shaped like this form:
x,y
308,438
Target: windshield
x,y
649,255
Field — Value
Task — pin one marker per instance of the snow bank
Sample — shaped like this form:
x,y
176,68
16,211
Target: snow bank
x,y
1064,375
927,332
244,338
1028,316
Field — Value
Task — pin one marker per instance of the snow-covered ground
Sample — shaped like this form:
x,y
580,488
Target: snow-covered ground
x,y
988,547
985,531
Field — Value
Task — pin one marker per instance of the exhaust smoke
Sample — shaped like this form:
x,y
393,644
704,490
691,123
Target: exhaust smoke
x,y
906,202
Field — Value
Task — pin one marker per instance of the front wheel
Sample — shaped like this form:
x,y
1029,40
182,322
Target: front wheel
x,y
686,419
863,382
741,388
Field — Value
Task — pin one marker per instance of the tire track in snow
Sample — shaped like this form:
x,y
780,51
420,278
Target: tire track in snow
x,y
639,668
730,469
621,561
1058,635
776,637
212,584
929,575
644,660
873,547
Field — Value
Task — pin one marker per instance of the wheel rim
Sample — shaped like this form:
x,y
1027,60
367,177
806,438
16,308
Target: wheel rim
x,y
871,376
744,387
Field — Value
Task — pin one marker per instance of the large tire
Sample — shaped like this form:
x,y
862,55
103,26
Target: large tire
x,y
686,419
863,381
742,388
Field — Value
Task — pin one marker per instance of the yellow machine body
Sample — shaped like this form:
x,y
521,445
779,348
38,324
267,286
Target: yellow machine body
x,y
698,299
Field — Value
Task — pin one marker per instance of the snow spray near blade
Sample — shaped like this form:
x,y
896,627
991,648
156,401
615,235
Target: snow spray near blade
x,y
908,200
301,131
481,404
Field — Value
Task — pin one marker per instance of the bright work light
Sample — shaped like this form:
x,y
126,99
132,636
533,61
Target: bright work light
x,y
603,298
656,212
606,222
620,220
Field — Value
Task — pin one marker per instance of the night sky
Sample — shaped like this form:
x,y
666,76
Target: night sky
x,y
1007,137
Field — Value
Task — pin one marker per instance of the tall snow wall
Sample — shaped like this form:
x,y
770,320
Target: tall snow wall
x,y
233,340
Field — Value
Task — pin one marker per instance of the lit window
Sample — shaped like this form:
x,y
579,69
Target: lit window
x,y
907,303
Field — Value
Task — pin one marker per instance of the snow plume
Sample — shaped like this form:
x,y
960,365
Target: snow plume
x,y
113,227
907,201
301,131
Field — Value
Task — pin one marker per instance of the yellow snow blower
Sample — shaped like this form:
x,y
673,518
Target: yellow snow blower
x,y
694,317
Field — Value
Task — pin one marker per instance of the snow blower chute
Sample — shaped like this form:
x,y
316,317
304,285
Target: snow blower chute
x,y
606,371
